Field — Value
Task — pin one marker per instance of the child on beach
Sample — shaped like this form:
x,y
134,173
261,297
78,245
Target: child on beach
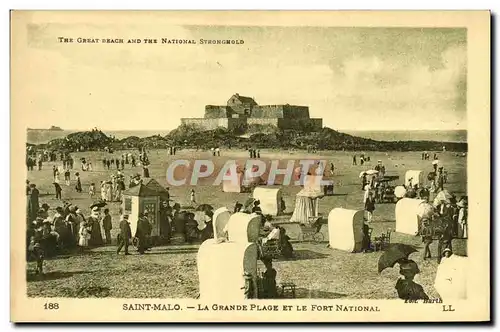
x,y
193,197
92,190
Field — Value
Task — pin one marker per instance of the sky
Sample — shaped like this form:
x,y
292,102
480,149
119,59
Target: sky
x,y
353,78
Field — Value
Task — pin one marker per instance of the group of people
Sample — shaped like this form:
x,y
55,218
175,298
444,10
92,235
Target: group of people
x,y
362,159
66,230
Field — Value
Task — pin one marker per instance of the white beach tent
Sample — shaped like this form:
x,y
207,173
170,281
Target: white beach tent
x,y
270,200
232,184
451,278
416,177
220,219
221,267
407,215
243,227
345,229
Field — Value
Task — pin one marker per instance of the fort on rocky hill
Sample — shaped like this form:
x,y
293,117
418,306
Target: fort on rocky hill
x,y
241,111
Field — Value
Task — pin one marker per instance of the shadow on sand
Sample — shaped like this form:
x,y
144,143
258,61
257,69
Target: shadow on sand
x,y
53,275
303,293
300,255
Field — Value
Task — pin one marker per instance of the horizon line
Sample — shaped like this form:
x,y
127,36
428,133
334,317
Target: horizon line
x,y
336,129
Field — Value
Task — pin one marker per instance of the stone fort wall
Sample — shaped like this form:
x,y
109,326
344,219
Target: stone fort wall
x,y
211,124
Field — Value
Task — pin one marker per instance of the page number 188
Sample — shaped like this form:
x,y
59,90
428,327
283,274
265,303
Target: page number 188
x,y
51,306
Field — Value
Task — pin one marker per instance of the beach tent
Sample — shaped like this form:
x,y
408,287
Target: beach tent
x,y
233,183
270,200
312,184
451,278
407,215
220,219
345,229
306,206
141,198
243,227
415,176
221,268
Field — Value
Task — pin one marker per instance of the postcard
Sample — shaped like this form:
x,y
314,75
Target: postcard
x,y
250,166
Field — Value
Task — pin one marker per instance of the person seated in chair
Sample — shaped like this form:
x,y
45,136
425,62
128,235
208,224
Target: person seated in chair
x,y
286,246
274,235
269,280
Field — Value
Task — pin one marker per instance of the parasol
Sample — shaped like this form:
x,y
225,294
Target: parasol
x,y
371,172
443,196
393,254
435,162
399,191
425,210
451,278
98,204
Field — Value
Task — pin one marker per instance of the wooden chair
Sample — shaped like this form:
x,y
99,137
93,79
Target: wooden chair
x,y
288,288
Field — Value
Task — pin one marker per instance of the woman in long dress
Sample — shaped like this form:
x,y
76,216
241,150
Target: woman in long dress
x,y
109,192
96,234
103,190
462,220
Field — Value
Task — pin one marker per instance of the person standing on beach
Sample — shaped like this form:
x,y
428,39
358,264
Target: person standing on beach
x,y
107,226
78,186
125,235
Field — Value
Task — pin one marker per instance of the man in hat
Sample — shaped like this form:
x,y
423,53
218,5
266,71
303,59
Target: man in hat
x,y
58,190
125,235
33,203
407,288
165,221
44,211
143,232
107,226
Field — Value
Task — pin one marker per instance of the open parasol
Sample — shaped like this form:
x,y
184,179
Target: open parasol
x,y
400,191
98,204
435,162
425,210
371,172
444,196
396,252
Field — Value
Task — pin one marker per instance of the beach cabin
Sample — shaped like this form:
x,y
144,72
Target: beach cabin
x,y
220,219
243,227
345,229
307,201
270,200
146,196
232,183
414,177
407,215
221,269
451,278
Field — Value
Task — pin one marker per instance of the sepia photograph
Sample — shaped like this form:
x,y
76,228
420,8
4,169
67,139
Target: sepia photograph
x,y
176,164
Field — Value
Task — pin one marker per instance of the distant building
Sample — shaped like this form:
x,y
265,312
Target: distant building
x,y
243,111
